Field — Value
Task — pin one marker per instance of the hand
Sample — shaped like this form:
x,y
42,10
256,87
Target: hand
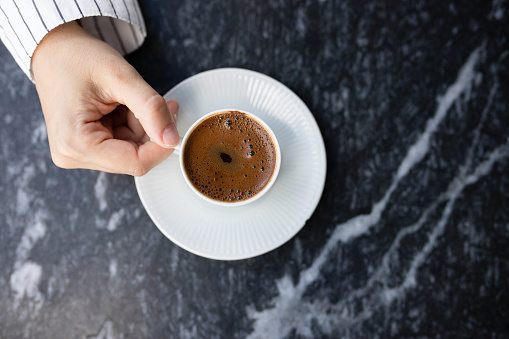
x,y
100,114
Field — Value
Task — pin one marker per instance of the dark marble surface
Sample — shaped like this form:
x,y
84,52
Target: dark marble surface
x,y
411,236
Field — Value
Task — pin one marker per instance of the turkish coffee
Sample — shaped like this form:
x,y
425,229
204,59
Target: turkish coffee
x,y
229,156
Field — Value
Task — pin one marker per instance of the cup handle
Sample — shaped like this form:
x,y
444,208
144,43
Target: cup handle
x,y
177,149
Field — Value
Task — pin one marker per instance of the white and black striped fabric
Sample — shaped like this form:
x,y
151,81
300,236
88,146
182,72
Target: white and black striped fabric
x,y
23,23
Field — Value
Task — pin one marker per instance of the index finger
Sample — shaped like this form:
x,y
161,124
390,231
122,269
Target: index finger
x,y
125,157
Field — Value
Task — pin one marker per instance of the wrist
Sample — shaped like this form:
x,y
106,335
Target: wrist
x,y
55,43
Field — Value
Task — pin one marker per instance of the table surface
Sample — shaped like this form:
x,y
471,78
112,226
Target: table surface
x,y
410,238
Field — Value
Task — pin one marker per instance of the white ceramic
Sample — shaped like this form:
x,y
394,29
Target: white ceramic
x,y
180,150
225,233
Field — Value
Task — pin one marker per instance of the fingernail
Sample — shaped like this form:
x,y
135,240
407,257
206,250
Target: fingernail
x,y
171,136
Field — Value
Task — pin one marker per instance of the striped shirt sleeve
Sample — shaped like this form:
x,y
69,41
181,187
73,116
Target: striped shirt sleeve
x,y
23,24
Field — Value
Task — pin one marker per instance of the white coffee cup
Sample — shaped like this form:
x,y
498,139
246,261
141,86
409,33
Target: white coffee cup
x,y
180,150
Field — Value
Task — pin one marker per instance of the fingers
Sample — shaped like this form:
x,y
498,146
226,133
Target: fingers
x,y
127,87
119,156
93,147
107,146
135,126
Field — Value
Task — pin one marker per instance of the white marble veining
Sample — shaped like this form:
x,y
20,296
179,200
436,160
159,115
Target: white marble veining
x,y
290,310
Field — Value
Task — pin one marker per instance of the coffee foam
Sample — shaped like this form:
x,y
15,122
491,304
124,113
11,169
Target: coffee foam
x,y
229,157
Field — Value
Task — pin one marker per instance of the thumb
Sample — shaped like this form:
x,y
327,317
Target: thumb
x,y
149,107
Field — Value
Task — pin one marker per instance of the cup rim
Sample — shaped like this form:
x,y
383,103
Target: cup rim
x,y
233,203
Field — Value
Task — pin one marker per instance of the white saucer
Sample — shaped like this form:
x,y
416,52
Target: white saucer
x,y
232,233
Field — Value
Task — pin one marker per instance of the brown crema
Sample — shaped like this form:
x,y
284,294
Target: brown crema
x,y
229,157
